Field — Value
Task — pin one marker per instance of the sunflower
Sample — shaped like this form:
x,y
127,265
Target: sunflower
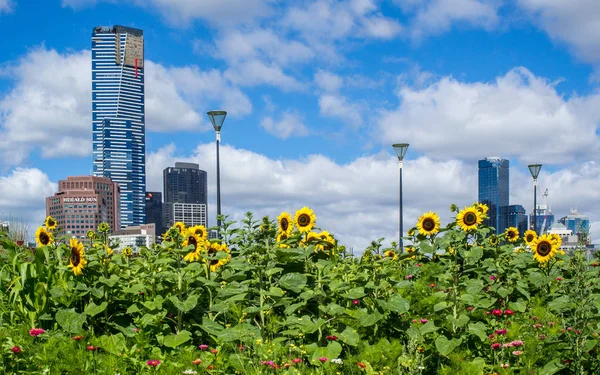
x,y
77,259
181,226
109,251
327,238
529,236
200,231
91,234
43,237
305,219
285,223
469,218
50,223
128,251
312,238
544,248
429,223
411,232
557,239
410,249
390,254
214,260
103,227
280,238
482,208
493,240
512,234
191,238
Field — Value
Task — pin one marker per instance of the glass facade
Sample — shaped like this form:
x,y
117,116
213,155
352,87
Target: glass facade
x,y
517,218
579,224
154,213
185,183
118,121
493,187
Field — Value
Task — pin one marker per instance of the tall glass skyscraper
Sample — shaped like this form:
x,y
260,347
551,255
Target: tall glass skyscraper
x,y
493,191
186,194
118,123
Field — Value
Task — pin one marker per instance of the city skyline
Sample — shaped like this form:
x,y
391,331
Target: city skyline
x,y
316,93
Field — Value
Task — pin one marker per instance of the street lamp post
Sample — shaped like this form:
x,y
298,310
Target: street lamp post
x,y
400,149
217,118
534,169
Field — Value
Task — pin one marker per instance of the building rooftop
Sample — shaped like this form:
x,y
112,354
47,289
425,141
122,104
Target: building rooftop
x,y
118,29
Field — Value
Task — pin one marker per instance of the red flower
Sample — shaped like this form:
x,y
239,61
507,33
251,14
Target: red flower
x,y
355,302
424,321
496,345
361,365
196,361
92,348
470,308
153,362
323,359
509,312
296,360
332,338
432,285
34,332
501,332
203,347
15,349
497,312
214,351
76,338
210,367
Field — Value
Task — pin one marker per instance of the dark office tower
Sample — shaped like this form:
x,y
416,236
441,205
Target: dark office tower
x,y
154,211
493,191
118,123
517,218
186,194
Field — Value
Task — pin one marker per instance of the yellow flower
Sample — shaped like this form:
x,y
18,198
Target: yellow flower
x,y
109,251
285,223
512,234
50,223
429,223
556,239
181,226
493,240
103,227
280,238
191,238
305,219
390,254
128,251
411,232
450,250
200,230
482,208
544,248
43,237
91,234
312,238
213,256
529,236
410,249
327,240
77,258
468,219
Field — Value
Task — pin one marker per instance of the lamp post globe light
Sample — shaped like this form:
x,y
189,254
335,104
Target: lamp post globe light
x,y
217,118
400,149
534,169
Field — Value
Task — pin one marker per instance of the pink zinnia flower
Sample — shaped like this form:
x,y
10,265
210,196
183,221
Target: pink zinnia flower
x,y
355,302
15,349
153,362
196,361
34,332
424,321
408,277
509,312
491,336
501,331
497,312
517,352
496,345
492,277
214,351
203,347
92,348
323,359
470,308
516,343
296,360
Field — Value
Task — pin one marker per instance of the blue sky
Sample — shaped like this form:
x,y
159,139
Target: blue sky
x,y
317,91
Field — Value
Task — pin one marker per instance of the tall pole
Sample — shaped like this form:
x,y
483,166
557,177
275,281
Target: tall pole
x,y
535,206
401,241
218,185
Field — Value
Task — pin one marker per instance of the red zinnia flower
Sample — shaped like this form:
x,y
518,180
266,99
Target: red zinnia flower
x,y
203,347
331,338
296,360
424,321
497,312
196,361
34,332
501,331
15,349
509,312
92,348
323,359
76,338
361,365
496,345
153,362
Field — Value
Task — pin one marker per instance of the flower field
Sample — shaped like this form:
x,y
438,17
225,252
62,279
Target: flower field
x,y
283,296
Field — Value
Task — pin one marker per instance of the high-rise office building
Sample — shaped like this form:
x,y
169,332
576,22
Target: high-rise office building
x,y
186,194
82,203
517,218
494,191
154,214
577,223
118,123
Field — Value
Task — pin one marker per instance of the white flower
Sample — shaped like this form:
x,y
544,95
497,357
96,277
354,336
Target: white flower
x,y
190,372
337,361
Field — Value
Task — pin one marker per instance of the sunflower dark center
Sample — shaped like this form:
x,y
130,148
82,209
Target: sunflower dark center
x,y
75,258
214,262
44,238
544,248
192,241
284,224
51,223
303,220
428,224
199,232
529,238
470,218
283,237
511,234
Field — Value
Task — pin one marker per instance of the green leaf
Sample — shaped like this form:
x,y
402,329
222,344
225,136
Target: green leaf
x,y
478,329
552,367
92,309
559,304
70,321
355,293
173,341
589,345
133,309
428,328
445,346
110,282
114,344
186,306
440,306
293,308
293,281
211,327
519,306
368,320
395,304
349,336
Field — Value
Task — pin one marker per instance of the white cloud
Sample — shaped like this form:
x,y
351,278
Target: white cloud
x,y
6,6
432,17
289,125
334,105
328,81
48,108
574,22
519,115
22,197
256,72
357,201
